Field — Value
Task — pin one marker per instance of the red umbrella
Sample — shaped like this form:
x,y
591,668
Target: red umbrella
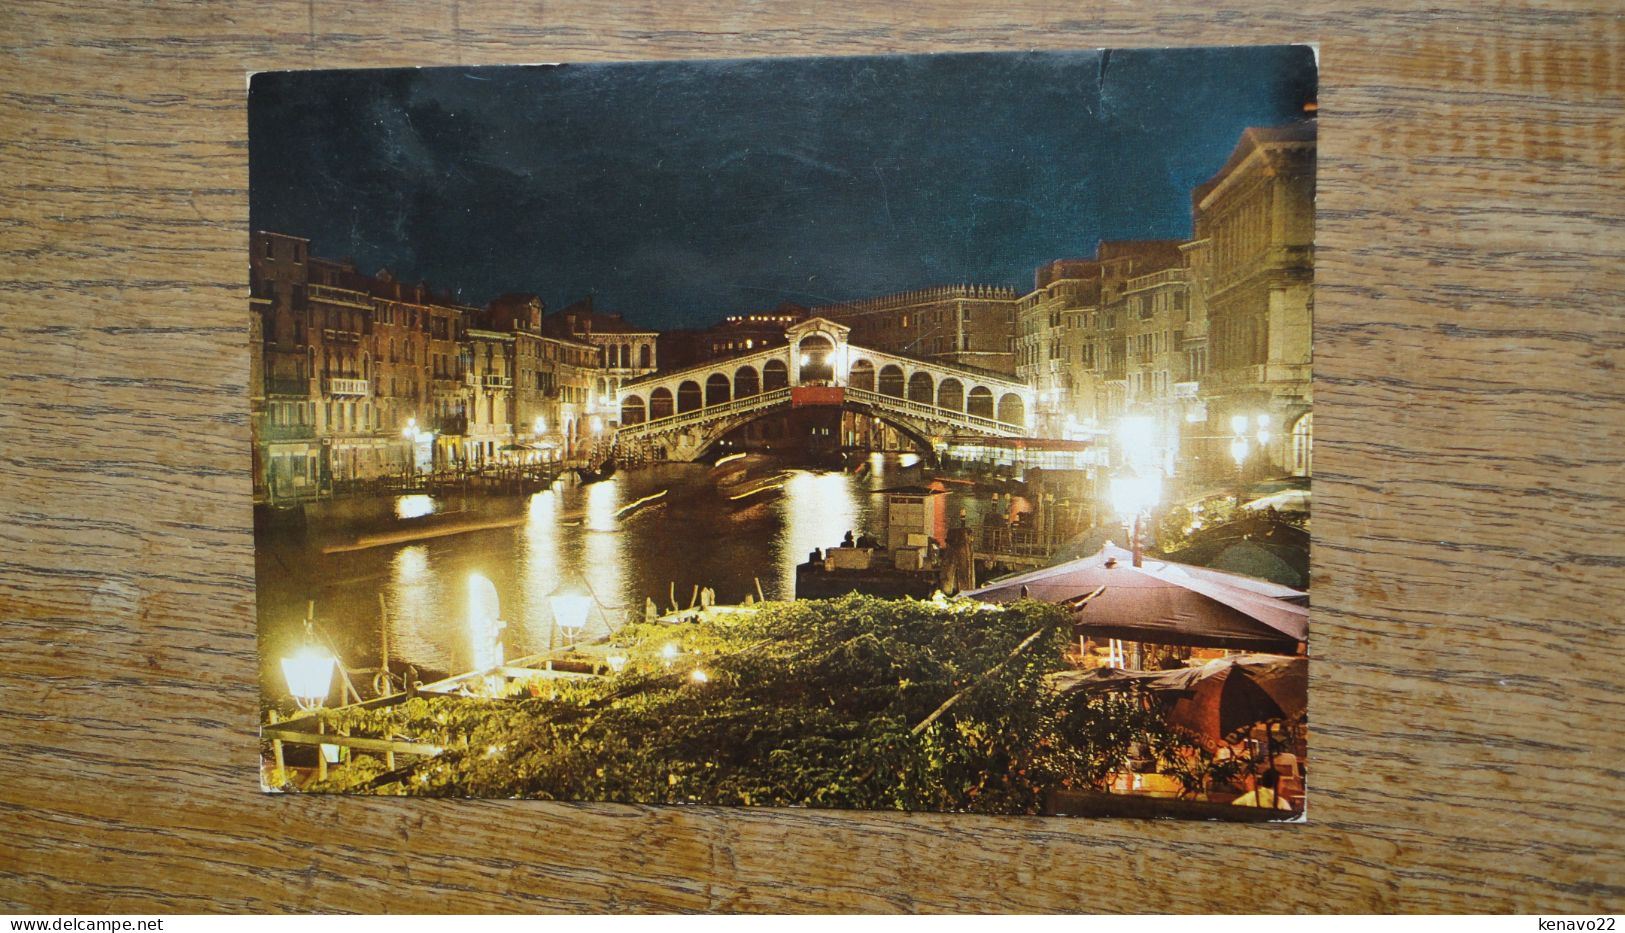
x,y
1223,697
1213,700
1166,603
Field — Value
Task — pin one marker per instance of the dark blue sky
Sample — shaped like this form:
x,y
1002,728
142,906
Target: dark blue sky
x,y
677,192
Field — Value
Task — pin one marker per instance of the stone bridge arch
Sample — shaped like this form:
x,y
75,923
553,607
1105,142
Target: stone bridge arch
x,y
694,442
922,388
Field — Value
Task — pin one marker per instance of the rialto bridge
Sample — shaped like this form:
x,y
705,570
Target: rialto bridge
x,y
680,415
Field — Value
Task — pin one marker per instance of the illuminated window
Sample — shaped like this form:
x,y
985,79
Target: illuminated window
x,y
1303,446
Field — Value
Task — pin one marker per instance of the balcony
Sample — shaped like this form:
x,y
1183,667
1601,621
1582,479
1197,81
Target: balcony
x,y
449,425
335,336
339,296
265,433
337,386
1165,277
285,386
495,381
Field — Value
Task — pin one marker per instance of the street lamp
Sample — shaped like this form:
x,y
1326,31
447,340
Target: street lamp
x,y
1137,434
1133,496
309,672
570,612
1241,446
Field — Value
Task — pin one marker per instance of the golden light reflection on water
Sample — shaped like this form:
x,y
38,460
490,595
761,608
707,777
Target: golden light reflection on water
x,y
414,506
414,600
539,571
602,501
603,562
484,622
818,509
570,536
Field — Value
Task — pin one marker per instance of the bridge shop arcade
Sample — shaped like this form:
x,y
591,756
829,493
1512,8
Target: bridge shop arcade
x,y
885,401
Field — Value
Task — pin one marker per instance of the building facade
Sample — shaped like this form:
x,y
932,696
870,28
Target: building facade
x,y
625,351
1256,217
970,325
554,379
356,377
291,459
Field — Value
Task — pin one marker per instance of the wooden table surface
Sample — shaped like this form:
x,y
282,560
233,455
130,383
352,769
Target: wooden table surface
x,y
1468,746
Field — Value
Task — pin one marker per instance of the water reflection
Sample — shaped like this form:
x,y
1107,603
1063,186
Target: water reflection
x,y
817,510
414,506
538,554
570,536
603,563
411,601
484,622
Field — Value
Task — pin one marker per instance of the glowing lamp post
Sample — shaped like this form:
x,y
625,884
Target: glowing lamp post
x,y
570,612
309,673
1133,496
1241,445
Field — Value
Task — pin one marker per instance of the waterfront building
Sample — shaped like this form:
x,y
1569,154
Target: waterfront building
x,y
348,415
971,325
1048,351
291,460
752,331
490,411
1257,218
1101,340
733,335
625,351
445,415
553,379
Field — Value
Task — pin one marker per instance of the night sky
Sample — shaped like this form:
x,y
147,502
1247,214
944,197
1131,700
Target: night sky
x,y
678,192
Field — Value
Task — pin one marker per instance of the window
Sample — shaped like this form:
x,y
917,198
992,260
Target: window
x,y
1303,446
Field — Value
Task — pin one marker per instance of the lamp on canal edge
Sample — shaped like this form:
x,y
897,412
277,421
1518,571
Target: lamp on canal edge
x,y
570,611
1133,495
1240,446
309,672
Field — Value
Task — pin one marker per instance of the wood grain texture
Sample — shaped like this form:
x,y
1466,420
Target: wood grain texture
x,y
1468,554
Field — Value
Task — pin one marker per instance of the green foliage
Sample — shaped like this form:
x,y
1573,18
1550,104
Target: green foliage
x,y
810,703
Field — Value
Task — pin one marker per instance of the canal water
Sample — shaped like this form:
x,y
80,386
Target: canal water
x,y
697,534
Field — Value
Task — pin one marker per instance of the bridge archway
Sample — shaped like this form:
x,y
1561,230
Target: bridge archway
x,y
660,404
746,382
717,390
890,381
1011,410
700,443
633,410
816,359
980,402
775,375
921,389
862,375
688,396
951,394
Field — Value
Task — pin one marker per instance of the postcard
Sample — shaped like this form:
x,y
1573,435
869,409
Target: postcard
x,y
916,432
